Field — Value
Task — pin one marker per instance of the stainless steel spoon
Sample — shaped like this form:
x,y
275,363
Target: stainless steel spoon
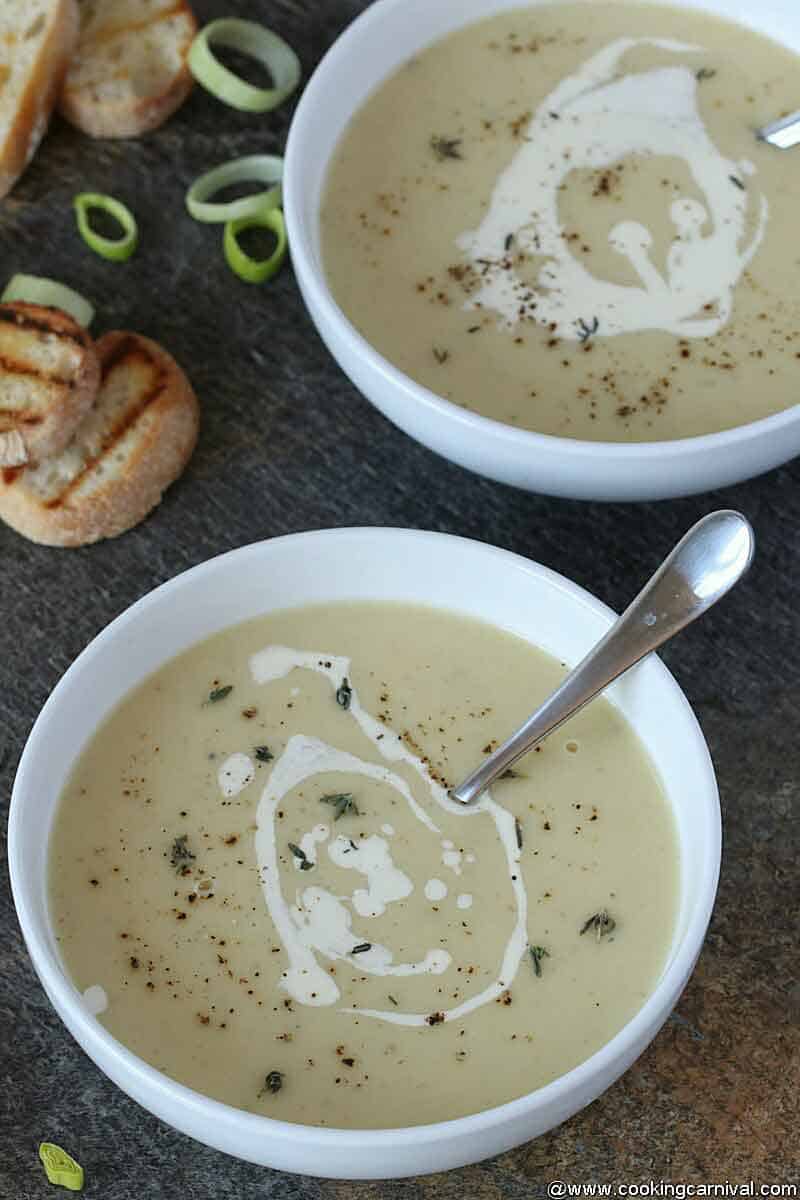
x,y
784,133
704,565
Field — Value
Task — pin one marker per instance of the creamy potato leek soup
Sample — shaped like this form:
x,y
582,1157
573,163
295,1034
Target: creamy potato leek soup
x,y
260,884
560,217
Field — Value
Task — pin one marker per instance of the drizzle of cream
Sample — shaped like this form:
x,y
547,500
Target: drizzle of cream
x,y
235,774
324,924
95,999
319,922
451,857
592,120
308,844
435,889
388,830
385,882
464,900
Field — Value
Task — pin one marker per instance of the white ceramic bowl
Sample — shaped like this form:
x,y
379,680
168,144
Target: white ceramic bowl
x,y
387,34
362,564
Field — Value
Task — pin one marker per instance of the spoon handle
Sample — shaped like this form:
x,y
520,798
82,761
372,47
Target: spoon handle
x,y
704,565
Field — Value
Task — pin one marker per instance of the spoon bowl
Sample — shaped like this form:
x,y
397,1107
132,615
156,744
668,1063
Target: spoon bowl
x,y
702,568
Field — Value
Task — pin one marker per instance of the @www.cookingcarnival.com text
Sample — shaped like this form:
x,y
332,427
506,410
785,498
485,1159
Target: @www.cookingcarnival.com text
x,y
561,1189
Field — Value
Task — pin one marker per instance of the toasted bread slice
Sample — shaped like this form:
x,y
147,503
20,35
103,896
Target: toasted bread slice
x,y
49,375
37,39
134,443
130,71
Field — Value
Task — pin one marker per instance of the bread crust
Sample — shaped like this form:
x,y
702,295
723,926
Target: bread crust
x,y
71,398
164,430
40,95
133,116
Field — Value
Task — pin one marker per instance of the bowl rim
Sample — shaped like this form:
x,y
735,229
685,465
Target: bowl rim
x,y
310,268
103,1047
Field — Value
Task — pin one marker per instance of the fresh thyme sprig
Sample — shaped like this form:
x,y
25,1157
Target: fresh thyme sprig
x,y
537,953
273,1082
445,147
601,922
343,804
180,854
302,857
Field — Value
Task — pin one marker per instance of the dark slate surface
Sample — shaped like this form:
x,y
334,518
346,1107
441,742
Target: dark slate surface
x,y
287,444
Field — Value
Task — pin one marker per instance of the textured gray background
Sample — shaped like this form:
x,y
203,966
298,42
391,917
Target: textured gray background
x,y
287,444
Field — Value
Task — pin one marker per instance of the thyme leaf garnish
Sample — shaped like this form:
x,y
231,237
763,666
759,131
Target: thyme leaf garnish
x,y
394,1002
601,922
510,773
507,244
361,948
342,802
445,147
440,355
586,329
737,183
518,832
180,855
704,73
344,694
273,1082
263,754
305,863
537,953
219,693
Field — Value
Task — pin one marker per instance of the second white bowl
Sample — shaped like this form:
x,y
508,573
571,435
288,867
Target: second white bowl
x,y
384,37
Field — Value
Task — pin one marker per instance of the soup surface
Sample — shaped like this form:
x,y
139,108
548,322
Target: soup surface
x,y
561,218
261,886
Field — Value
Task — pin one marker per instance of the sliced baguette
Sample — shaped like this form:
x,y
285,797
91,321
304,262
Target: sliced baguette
x,y
49,376
134,443
129,73
37,39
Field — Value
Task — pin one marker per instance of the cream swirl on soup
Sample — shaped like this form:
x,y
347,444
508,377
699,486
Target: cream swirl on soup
x,y
592,120
319,923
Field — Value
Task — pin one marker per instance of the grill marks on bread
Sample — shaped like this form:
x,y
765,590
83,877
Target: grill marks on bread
x,y
130,71
49,375
125,400
134,442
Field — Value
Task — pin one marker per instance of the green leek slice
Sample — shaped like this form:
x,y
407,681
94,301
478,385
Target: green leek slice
x,y
248,37
264,168
114,249
35,289
250,269
61,1168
